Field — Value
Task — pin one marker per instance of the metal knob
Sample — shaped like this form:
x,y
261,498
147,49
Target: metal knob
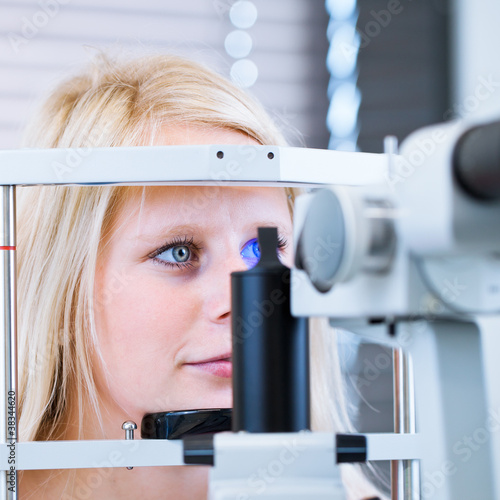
x,y
129,427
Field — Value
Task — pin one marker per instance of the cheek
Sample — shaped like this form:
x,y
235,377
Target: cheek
x,y
141,331
137,307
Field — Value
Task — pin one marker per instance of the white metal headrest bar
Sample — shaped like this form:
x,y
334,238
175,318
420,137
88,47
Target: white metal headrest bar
x,y
205,165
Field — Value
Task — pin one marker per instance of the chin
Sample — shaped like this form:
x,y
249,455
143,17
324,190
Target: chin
x,y
212,399
215,402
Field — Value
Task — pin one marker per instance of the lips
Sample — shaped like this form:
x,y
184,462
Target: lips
x,y
219,366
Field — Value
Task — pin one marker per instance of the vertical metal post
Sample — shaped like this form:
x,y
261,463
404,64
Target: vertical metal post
x,y
404,473
8,342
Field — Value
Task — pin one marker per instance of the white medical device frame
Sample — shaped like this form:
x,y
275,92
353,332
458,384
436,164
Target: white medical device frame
x,y
437,303
215,165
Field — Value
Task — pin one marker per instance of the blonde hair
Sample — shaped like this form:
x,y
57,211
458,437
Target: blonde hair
x,y
61,228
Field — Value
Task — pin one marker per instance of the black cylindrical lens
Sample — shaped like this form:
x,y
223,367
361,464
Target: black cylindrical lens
x,y
270,347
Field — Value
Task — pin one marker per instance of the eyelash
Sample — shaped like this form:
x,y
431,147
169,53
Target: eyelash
x,y
282,242
194,248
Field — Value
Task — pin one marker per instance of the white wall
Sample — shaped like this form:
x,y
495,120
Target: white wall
x,y
476,57
43,40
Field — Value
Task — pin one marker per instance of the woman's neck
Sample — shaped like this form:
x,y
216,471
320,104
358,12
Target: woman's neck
x,y
153,483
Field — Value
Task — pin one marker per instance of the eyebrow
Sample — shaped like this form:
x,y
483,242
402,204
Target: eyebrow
x,y
189,229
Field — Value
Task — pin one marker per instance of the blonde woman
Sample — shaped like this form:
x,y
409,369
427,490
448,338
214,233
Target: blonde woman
x,y
124,291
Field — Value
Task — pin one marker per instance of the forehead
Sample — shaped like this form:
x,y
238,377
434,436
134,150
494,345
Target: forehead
x,y
205,206
192,134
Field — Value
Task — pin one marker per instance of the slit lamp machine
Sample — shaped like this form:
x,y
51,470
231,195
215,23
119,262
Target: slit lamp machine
x,y
401,248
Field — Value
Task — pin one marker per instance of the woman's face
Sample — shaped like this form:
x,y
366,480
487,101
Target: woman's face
x,y
163,304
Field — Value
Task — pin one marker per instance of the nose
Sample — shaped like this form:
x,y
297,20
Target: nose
x,y
218,290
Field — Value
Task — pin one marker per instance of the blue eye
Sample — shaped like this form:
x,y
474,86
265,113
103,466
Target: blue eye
x,y
175,255
181,253
251,253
